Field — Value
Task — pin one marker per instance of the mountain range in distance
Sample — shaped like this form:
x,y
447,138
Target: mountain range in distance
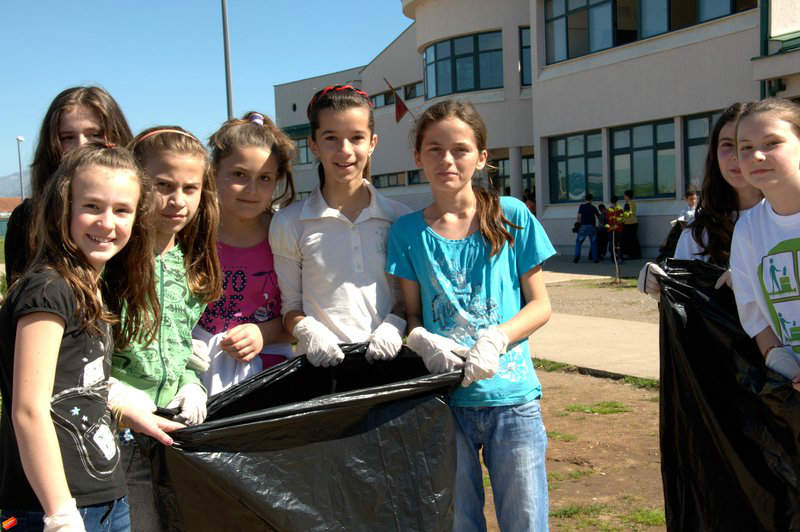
x,y
9,184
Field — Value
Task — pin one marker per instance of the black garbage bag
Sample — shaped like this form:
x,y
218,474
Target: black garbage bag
x,y
358,446
730,428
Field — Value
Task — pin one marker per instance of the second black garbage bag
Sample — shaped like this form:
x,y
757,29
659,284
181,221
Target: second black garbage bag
x,y
358,446
730,428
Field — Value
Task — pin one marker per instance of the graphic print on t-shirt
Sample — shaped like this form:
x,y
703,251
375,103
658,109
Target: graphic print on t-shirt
x,y
241,292
778,273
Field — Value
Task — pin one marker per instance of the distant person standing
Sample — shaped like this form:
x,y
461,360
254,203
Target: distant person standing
x,y
687,213
587,218
630,226
530,201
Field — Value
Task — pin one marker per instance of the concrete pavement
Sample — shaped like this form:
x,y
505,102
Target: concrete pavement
x,y
600,345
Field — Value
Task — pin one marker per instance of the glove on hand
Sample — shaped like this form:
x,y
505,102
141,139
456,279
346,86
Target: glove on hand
x,y
439,354
648,282
784,361
66,519
319,344
387,339
483,359
200,360
191,400
121,394
724,279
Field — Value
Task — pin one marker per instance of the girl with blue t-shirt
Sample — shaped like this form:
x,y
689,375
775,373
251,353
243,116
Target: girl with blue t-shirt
x,y
465,264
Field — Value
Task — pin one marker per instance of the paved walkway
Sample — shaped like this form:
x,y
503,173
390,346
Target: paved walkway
x,y
602,345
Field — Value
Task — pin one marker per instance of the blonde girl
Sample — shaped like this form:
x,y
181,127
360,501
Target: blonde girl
x,y
58,328
330,247
187,277
76,116
765,253
465,264
251,161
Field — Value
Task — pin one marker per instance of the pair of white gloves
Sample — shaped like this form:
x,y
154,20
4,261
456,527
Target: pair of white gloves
x,y
190,400
648,280
441,354
321,346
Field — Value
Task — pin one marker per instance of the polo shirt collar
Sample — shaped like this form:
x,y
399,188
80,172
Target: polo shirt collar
x,y
316,207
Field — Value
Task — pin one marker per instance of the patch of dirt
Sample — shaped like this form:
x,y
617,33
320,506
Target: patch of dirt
x,y
604,299
603,469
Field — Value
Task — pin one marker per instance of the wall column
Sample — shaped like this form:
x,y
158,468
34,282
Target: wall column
x,y
515,171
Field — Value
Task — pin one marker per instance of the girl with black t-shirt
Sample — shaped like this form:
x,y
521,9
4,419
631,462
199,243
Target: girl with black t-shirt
x,y
58,328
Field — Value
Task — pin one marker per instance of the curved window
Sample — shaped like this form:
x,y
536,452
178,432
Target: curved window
x,y
468,63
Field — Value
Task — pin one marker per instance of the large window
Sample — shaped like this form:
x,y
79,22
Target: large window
x,y
525,56
643,159
416,177
415,90
396,179
498,175
304,155
697,131
464,64
528,173
576,167
578,27
384,98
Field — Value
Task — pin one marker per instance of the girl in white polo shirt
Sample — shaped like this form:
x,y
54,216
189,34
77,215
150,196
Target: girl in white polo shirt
x,y
330,249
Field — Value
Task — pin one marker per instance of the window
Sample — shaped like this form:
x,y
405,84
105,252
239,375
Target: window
x,y
417,177
498,176
396,179
643,159
464,64
302,195
578,27
304,155
528,173
697,131
415,90
383,99
525,56
576,167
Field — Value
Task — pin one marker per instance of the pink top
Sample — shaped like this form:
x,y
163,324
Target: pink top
x,y
250,291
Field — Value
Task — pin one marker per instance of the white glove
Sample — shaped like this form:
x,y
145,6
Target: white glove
x,y
440,354
387,339
483,359
200,360
319,344
784,361
66,519
726,279
648,282
121,394
191,400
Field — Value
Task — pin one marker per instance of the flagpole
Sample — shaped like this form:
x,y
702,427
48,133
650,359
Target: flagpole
x,y
394,91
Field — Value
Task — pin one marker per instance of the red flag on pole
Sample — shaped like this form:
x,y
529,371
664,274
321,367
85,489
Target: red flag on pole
x,y
400,108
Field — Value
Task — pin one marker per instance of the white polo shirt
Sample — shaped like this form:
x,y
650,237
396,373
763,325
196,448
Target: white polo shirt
x,y
333,269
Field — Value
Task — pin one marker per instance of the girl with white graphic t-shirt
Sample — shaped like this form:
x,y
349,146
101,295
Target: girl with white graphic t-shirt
x,y
765,255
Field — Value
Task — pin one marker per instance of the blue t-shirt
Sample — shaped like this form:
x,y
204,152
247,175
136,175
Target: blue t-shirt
x,y
463,291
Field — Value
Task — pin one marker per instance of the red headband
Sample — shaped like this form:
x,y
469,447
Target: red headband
x,y
336,88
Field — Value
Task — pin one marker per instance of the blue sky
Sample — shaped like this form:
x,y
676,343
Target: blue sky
x,y
163,60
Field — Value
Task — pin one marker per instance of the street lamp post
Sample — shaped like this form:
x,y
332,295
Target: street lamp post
x,y
20,140
227,46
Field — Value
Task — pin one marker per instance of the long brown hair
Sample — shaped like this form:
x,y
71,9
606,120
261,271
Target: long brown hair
x,y
256,129
718,207
127,280
49,151
198,240
338,98
491,221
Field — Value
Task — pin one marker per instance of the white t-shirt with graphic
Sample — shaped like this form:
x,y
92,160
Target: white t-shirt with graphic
x,y
765,262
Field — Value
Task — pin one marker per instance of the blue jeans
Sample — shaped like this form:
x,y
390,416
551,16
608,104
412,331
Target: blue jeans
x,y
583,232
514,441
111,516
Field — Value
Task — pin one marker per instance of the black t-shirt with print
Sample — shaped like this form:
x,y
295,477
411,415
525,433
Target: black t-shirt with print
x,y
78,406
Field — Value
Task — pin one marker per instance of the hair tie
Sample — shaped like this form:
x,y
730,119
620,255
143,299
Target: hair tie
x,y
110,145
159,131
256,118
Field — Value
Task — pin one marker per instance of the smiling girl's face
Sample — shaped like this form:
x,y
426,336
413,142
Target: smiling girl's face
x,y
343,144
768,151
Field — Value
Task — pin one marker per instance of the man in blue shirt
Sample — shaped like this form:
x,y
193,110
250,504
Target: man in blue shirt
x,y
587,216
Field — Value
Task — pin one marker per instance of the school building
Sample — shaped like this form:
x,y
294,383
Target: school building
x,y
579,96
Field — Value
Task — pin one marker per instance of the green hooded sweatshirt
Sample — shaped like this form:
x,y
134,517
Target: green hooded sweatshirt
x,y
159,369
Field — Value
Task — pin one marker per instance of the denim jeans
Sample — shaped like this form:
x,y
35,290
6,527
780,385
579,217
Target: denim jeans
x,y
111,516
583,232
514,442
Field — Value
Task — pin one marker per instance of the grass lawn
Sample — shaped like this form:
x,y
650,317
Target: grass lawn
x,y
2,249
